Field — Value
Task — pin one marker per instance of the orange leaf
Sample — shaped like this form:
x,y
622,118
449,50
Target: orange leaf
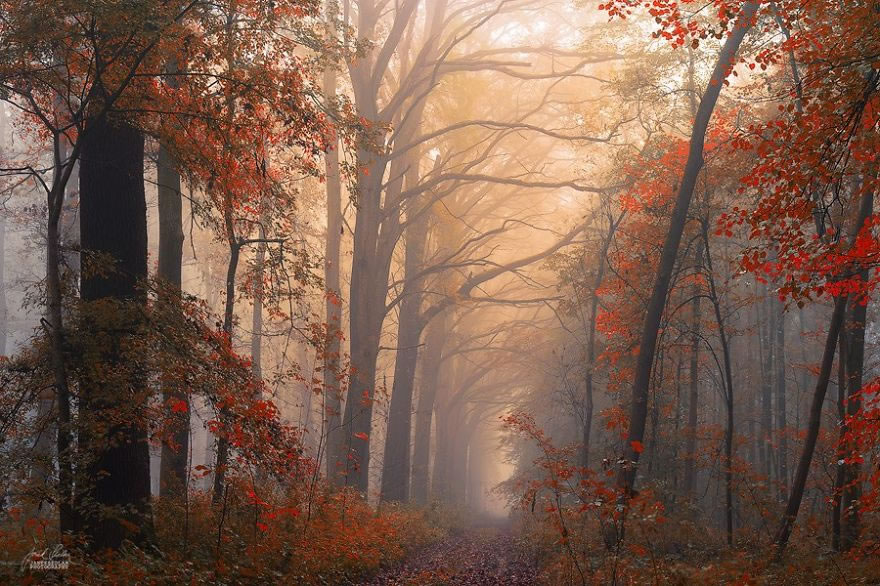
x,y
362,435
637,446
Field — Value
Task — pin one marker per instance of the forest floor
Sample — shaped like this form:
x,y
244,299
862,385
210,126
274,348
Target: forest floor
x,y
486,554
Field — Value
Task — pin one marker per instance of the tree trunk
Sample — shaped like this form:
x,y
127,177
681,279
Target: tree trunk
x,y
113,225
779,363
68,519
395,476
693,394
335,454
752,414
234,244
442,469
366,327
657,301
464,429
840,469
656,406
4,310
173,470
429,384
813,425
765,393
228,327
855,362
396,466
815,421
729,398
257,317
767,345
370,268
377,228
476,467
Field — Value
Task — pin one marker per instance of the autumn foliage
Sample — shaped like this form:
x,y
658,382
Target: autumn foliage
x,y
679,368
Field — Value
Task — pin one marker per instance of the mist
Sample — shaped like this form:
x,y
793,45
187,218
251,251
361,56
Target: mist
x,y
438,292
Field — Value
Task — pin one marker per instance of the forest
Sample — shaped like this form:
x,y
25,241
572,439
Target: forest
x,y
428,292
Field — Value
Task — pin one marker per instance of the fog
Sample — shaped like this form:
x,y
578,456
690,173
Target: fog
x,y
554,287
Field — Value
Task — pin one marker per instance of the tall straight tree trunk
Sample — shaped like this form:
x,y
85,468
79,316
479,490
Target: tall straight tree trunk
x,y
234,244
395,473
377,230
781,420
52,407
768,387
463,430
259,293
428,387
752,411
4,310
173,468
676,428
113,225
442,469
815,420
855,362
840,472
765,396
396,465
456,457
366,315
655,411
476,472
335,455
370,267
656,303
395,476
368,289
68,519
257,317
694,388
377,227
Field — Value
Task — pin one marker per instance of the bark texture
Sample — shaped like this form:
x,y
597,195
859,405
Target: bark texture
x,y
173,469
112,434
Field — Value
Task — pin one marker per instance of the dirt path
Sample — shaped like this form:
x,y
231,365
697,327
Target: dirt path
x,y
482,556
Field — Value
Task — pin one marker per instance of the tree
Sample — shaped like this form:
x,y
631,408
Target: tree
x,y
657,300
332,348
803,469
45,81
392,135
173,472
113,231
396,465
101,77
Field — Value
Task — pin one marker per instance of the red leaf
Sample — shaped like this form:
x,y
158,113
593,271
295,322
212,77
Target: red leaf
x,y
179,406
362,435
637,446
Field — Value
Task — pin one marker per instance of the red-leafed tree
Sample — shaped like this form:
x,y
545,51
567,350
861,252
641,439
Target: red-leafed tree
x,y
88,82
